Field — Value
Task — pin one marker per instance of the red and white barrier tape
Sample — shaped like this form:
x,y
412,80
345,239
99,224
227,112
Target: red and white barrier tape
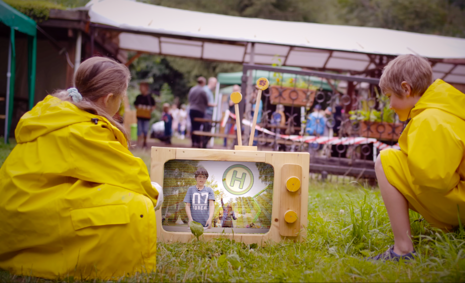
x,y
323,140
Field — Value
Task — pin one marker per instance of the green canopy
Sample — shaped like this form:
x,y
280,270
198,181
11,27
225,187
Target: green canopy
x,y
21,23
236,78
17,20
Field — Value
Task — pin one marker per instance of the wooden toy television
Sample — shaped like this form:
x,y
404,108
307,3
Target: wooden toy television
x,y
269,207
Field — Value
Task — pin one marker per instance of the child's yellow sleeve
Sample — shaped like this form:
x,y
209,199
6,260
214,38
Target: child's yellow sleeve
x,y
434,153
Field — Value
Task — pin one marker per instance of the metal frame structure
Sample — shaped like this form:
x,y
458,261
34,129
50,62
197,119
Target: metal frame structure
x,y
360,167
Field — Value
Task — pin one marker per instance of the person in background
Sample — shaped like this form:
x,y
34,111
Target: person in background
x,y
168,120
198,103
228,215
145,104
328,114
316,122
174,111
182,119
207,126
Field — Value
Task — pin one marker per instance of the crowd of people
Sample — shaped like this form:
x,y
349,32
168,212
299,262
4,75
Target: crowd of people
x,y
185,120
179,121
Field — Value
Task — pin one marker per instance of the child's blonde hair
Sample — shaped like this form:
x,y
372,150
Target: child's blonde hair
x,y
97,77
413,69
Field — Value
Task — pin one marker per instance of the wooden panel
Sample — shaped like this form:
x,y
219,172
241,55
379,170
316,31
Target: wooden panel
x,y
289,200
304,195
157,169
282,162
291,96
220,155
278,160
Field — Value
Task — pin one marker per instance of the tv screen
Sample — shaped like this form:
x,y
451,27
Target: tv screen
x,y
242,193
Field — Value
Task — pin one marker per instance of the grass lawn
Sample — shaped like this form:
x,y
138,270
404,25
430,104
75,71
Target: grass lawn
x,y
5,149
346,223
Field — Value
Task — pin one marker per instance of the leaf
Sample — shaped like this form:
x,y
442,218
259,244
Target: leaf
x,y
253,246
234,260
196,229
222,261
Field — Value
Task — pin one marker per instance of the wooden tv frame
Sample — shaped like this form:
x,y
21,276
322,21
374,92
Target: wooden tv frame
x,y
285,164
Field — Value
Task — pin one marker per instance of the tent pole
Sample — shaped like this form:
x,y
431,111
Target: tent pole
x,y
91,42
216,112
8,76
77,60
10,84
247,108
32,52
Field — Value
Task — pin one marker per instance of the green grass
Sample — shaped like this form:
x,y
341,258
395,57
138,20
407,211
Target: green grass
x,y
346,223
5,149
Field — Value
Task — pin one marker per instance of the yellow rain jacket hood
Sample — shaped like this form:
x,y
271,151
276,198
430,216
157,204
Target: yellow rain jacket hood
x,y
429,170
74,200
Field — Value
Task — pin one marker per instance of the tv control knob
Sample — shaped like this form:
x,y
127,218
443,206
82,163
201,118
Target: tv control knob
x,y
293,184
290,216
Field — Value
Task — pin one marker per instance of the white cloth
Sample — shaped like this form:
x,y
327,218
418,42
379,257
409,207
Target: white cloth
x,y
160,195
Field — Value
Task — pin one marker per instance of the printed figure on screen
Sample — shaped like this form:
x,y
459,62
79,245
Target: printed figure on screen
x,y
200,200
228,215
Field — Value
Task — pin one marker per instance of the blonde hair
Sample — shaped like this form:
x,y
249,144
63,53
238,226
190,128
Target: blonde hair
x,y
413,69
95,78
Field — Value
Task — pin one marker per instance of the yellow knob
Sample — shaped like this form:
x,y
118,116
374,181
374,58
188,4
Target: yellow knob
x,y
290,216
262,83
236,97
293,184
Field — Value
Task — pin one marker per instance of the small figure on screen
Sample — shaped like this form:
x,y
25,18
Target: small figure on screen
x,y
200,200
228,215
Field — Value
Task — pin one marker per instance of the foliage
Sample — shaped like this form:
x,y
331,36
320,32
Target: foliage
x,y
444,17
166,96
37,10
286,10
180,74
373,115
70,3
366,114
196,229
5,149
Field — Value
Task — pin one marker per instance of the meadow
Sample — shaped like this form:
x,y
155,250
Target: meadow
x,y
346,223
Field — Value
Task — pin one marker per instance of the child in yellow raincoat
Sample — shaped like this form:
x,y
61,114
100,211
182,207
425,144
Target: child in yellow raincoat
x,y
427,174
74,200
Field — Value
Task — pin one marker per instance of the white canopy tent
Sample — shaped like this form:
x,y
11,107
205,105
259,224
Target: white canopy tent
x,y
167,31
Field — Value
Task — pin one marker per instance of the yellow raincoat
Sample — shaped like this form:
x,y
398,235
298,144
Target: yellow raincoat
x,y
74,201
429,169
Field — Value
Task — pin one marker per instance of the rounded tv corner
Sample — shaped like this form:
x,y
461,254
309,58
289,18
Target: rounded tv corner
x,y
255,196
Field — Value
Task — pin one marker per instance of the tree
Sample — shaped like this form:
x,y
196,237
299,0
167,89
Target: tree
x,y
442,17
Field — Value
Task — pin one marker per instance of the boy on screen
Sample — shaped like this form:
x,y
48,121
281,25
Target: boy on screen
x,y
200,200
